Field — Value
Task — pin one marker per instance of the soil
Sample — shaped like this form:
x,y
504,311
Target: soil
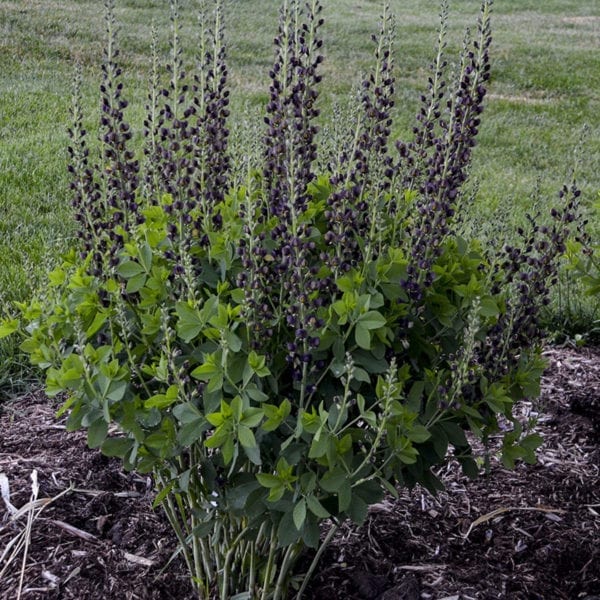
x,y
531,533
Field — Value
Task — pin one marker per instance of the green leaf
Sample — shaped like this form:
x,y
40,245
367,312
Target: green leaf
x,y
145,255
472,412
148,418
341,309
238,296
316,508
319,446
253,453
407,454
161,496
339,350
287,534
97,433
186,413
418,434
299,514
370,361
358,510
455,433
431,482
308,482
531,441
209,369
162,401
116,447
488,307
370,491
389,487
116,391
229,450
237,495
361,375
159,401
191,432
190,321
255,394
372,320
158,441
252,417
344,494
344,445
360,401
332,481
529,444
362,336
57,277
267,480
97,323
274,419
469,466
184,480
311,532
246,437
217,419
203,529
510,454
236,408
233,341
276,493
135,284
8,327
147,464
345,284
129,269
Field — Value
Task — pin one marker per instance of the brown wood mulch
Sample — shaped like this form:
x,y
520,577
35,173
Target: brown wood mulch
x,y
532,533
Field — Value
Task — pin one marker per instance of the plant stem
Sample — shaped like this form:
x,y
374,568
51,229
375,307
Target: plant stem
x,y
232,547
171,513
315,560
269,566
288,560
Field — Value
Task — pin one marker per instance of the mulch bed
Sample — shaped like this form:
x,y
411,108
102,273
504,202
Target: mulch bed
x,y
532,533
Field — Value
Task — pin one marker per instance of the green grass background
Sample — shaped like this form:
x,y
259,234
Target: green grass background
x,y
545,88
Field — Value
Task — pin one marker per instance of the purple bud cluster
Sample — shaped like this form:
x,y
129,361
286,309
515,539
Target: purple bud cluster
x,y
210,136
526,272
88,210
282,266
186,134
366,169
284,260
436,162
107,208
168,130
186,166
152,125
120,171
461,386
290,147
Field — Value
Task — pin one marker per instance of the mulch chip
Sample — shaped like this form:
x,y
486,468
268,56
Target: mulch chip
x,y
532,533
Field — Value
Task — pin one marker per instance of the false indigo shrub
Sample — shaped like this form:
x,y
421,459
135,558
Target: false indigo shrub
x,y
280,351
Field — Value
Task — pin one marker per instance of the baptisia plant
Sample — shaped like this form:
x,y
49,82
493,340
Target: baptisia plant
x,y
280,348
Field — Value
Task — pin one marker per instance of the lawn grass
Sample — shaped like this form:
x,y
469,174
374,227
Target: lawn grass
x,y
544,90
